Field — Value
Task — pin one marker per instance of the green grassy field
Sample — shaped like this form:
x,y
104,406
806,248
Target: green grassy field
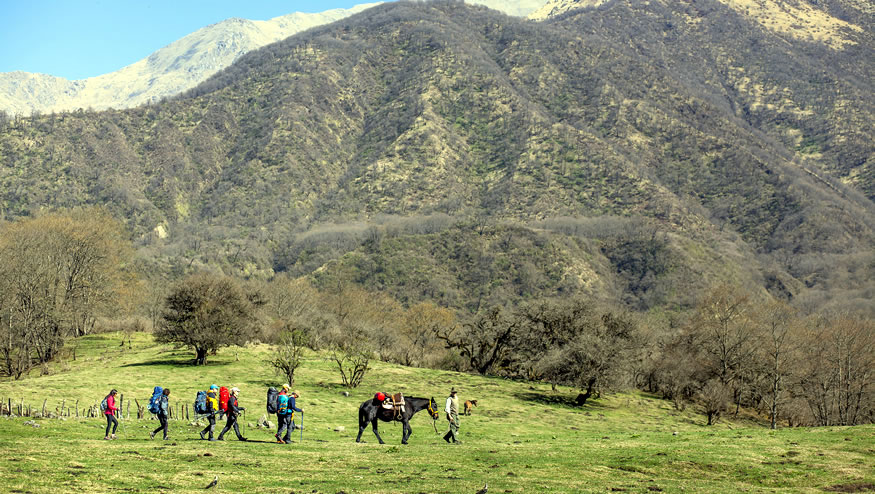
x,y
522,437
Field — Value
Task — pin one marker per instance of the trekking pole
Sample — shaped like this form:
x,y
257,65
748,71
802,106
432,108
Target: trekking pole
x,y
302,426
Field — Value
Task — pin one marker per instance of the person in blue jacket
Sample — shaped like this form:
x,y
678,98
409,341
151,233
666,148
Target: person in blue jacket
x,y
163,406
286,421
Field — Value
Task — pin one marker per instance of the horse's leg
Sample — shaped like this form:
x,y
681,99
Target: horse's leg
x,y
363,424
374,424
405,431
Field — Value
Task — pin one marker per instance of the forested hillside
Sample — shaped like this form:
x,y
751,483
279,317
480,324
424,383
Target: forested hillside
x,y
636,152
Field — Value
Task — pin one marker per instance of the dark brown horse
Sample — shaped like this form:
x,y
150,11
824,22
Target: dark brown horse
x,y
371,412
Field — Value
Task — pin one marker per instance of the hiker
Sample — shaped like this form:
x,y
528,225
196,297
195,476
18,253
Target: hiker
x,y
282,416
452,410
233,411
285,411
293,408
109,411
213,408
163,406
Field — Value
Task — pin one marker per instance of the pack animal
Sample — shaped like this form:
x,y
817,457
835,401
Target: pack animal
x,y
372,411
469,404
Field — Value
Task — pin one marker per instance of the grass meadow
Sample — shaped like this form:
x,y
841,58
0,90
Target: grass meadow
x,y
522,437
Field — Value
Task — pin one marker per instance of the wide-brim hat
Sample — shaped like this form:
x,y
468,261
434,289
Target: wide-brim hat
x,y
453,390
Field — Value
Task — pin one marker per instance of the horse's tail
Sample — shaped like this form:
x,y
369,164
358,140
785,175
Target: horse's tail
x,y
364,420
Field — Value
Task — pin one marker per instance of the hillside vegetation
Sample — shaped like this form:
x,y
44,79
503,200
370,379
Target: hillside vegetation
x,y
522,436
635,151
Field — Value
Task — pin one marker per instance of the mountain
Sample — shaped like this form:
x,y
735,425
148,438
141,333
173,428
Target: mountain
x,y
177,67
452,153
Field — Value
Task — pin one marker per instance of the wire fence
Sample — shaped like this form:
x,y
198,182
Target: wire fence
x,y
71,409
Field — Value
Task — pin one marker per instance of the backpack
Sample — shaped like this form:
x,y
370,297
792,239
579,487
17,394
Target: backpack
x,y
212,402
282,405
155,401
272,400
200,403
104,406
224,394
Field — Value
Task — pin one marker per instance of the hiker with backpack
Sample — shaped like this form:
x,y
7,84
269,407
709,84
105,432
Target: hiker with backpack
x,y
233,411
285,414
160,408
109,409
212,408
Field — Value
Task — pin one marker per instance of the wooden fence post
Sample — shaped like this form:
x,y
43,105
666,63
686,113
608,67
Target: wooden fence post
x,y
77,409
44,407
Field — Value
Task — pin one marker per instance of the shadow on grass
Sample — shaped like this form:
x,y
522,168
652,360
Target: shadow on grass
x,y
560,399
186,362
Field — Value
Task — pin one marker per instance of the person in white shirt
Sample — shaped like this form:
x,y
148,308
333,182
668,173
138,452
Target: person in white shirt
x,y
452,410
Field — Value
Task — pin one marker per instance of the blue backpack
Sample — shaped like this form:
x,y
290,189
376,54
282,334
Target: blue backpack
x,y
200,403
282,405
154,402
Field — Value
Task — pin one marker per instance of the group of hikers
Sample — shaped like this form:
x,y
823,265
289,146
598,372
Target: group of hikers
x,y
213,403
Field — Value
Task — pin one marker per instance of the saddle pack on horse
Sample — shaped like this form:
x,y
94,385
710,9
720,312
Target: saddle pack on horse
x,y
392,402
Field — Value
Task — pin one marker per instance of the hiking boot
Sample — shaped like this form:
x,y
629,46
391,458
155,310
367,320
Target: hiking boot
x,y
203,436
221,438
112,436
106,438
242,439
151,435
212,439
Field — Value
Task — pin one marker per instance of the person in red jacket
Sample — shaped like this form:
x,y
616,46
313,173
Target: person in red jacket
x,y
233,411
110,415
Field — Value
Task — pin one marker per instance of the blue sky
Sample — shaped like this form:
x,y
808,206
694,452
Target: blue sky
x,y
77,39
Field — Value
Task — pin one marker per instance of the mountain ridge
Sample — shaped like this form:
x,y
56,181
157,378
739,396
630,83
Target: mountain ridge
x,y
177,67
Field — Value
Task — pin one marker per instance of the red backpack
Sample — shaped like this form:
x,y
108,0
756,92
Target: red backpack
x,y
223,398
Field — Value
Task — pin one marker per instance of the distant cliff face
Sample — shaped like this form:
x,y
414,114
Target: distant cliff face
x,y
180,65
557,7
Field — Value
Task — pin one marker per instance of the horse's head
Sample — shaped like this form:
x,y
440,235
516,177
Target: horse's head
x,y
433,409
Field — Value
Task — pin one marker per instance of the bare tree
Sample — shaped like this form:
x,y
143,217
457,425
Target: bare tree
x,y
484,341
724,321
59,272
418,343
776,349
288,354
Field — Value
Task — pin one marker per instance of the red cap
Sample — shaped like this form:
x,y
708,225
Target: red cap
x,y
380,396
